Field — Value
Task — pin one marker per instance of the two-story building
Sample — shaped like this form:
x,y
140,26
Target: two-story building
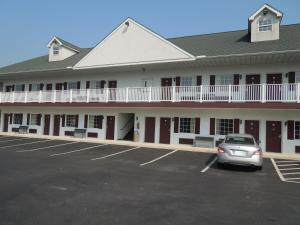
x,y
139,86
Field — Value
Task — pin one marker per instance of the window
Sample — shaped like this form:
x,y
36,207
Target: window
x,y
224,79
187,125
72,85
224,126
56,48
186,81
35,87
265,25
297,77
19,87
239,140
95,121
71,120
297,129
95,84
17,118
34,119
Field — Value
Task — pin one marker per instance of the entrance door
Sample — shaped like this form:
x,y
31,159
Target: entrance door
x,y
110,127
59,86
56,126
112,92
166,92
6,121
150,129
47,125
273,136
274,91
165,126
252,127
252,89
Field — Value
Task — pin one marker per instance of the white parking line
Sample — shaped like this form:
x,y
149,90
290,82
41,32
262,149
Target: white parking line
x,y
16,139
290,169
78,150
287,161
8,146
290,173
296,178
107,156
209,165
277,170
156,159
52,146
289,165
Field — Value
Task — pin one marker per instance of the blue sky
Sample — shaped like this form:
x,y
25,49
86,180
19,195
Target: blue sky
x,y
27,26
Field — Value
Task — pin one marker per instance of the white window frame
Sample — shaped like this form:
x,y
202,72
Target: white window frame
x,y
35,87
297,77
68,121
224,79
56,49
34,119
72,85
18,86
184,127
187,81
92,122
95,84
14,117
265,25
224,122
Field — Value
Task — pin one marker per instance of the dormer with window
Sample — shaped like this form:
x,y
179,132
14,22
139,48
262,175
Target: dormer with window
x,y
264,24
60,49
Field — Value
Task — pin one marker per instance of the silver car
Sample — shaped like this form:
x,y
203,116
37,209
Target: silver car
x,y
240,149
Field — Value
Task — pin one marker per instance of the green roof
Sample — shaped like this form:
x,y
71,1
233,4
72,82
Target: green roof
x,y
217,44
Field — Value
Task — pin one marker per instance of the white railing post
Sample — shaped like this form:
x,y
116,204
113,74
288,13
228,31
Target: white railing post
x,y
107,94
229,93
40,96
54,96
87,95
71,95
263,93
150,94
25,96
126,98
0,97
13,97
298,92
201,93
173,93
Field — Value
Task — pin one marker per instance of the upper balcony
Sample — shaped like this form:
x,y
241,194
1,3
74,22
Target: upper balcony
x,y
257,95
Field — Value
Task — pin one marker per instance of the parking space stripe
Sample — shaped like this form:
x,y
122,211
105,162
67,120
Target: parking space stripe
x,y
156,159
286,161
277,170
8,146
209,165
16,139
52,146
288,165
296,178
290,173
78,150
289,169
107,156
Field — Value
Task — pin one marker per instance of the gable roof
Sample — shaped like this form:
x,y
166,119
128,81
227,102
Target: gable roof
x,y
65,43
266,6
217,44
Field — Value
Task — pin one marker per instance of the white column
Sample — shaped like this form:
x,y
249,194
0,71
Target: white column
x,y
201,93
127,94
13,97
298,92
173,93
229,93
54,96
40,96
25,97
107,93
263,93
150,94
71,95
88,95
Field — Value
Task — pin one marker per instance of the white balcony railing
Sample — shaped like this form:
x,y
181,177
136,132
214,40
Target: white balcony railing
x,y
204,93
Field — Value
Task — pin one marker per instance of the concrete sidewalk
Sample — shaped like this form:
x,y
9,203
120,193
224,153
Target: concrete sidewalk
x,y
146,145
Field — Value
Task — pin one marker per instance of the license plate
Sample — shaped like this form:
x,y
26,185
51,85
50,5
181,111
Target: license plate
x,y
239,153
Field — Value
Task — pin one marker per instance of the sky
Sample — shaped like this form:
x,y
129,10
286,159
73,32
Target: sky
x,y
26,26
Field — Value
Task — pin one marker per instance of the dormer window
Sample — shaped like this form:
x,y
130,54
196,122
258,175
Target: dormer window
x,y
56,48
265,25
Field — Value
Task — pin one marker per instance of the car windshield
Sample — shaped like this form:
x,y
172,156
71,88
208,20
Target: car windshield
x,y
239,140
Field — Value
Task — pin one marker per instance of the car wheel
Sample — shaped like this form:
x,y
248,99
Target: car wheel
x,y
259,168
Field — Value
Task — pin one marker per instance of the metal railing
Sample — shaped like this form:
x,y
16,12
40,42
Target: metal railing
x,y
204,93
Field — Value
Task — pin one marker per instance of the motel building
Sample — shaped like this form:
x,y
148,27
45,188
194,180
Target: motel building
x,y
138,86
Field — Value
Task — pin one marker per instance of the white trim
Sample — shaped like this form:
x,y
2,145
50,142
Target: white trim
x,y
190,56
60,43
276,12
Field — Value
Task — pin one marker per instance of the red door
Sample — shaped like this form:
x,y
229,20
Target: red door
x,y
274,91
273,136
150,129
59,86
49,87
166,91
56,125
6,121
252,89
112,84
110,127
165,127
252,127
47,125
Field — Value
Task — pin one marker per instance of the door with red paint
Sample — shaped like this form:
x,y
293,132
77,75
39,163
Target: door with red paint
x,y
253,87
56,125
273,136
110,127
150,129
6,122
273,90
252,127
47,124
166,91
112,85
165,127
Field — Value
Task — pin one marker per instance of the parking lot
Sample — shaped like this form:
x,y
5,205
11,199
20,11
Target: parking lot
x,y
70,182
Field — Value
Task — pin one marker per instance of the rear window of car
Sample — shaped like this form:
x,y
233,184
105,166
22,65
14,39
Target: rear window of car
x,y
239,140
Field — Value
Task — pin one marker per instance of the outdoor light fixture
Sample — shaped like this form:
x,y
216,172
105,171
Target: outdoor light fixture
x,y
127,23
